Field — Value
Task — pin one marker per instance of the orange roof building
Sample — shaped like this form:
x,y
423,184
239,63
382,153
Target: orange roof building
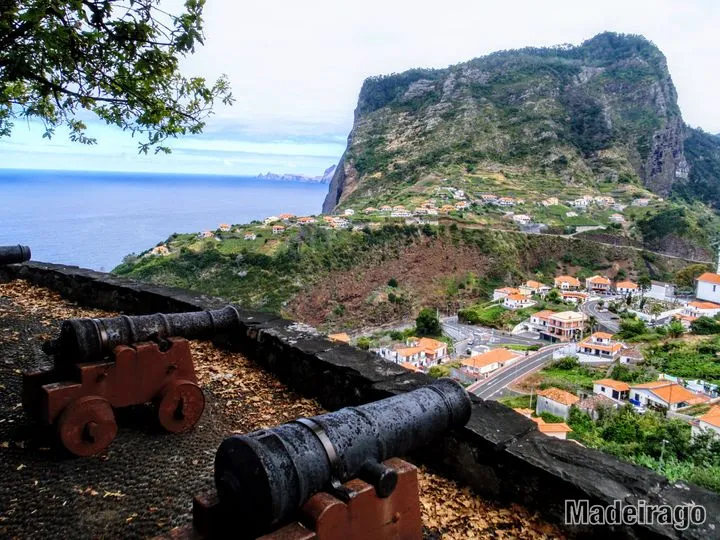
x,y
484,364
559,396
709,277
663,394
341,337
567,282
559,430
620,386
626,286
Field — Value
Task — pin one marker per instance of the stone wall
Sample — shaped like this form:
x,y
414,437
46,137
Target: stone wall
x,y
499,453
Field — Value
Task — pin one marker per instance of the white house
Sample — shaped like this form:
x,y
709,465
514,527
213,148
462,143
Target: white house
x,y
631,355
517,301
710,421
224,227
536,287
482,365
598,348
567,283
349,212
574,297
701,309
616,390
435,350
555,401
617,218
411,355
558,430
250,236
550,201
641,202
522,219
278,229
270,219
580,203
597,284
540,320
707,287
662,394
571,214
505,201
626,287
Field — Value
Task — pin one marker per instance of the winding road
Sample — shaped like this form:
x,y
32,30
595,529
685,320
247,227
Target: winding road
x,y
605,319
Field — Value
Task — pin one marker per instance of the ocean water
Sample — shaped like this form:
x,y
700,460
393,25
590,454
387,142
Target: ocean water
x,y
93,220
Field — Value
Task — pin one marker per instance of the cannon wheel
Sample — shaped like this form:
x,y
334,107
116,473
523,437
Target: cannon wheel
x,y
87,426
180,405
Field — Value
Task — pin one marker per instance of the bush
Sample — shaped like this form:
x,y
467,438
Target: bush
x,y
705,326
363,343
567,363
392,282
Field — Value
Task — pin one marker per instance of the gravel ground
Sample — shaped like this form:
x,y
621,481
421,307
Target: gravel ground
x,y
143,485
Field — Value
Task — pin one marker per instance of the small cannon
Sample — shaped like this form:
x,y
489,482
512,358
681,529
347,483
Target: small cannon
x,y
264,478
102,364
14,254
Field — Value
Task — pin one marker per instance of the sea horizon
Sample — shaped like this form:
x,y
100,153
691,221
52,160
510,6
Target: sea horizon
x,y
93,219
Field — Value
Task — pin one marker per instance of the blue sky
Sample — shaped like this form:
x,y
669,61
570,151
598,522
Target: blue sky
x,y
296,69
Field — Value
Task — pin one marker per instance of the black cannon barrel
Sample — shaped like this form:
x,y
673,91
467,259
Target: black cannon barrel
x,y
86,339
265,476
14,254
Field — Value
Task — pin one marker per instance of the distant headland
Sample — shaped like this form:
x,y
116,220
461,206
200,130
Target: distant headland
x,y
325,178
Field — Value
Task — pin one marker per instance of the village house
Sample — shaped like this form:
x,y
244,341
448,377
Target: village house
x,y
411,355
420,211
411,367
481,366
567,283
599,348
662,394
615,390
522,219
617,218
555,401
580,203
462,205
536,287
505,201
598,284
386,208
550,201
592,405
286,217
446,209
349,212
631,355
641,202
432,211
401,213
574,297
224,227
626,287
370,210
604,200
489,198
250,236
161,250
696,309
278,229
399,208
565,326
571,214
707,287
435,350
206,234
270,219
540,320
619,207
710,421
341,337
517,301
500,294
559,430
306,220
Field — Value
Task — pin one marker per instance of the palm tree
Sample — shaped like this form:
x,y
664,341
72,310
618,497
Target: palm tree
x,y
592,323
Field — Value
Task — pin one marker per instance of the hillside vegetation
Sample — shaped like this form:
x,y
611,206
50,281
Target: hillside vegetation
x,y
349,279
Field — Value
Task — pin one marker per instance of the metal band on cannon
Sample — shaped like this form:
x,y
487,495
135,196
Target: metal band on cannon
x,y
264,477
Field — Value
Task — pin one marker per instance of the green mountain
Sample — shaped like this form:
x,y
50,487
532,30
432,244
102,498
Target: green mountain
x,y
593,118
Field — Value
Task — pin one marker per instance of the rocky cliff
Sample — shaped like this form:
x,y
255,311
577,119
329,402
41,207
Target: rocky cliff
x,y
604,111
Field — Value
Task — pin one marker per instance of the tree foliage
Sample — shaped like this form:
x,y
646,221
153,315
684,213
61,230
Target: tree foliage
x,y
427,323
118,59
686,277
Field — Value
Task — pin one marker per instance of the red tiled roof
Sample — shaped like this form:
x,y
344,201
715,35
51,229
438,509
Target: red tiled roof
x,y
560,396
620,386
490,357
710,277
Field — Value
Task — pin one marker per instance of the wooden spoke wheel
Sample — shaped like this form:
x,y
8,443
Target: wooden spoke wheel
x,y
87,426
180,406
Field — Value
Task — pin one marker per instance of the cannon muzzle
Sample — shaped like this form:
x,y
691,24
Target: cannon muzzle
x,y
14,254
264,477
82,340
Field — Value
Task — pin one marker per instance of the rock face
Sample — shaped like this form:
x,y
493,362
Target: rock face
x,y
602,111
323,179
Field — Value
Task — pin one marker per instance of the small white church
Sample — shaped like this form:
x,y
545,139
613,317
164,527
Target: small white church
x,y
707,287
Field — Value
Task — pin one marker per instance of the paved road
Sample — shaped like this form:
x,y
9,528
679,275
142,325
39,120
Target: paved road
x,y
490,388
604,318
479,334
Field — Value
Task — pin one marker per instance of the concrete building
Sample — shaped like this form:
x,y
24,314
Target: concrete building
x,y
555,401
710,421
626,287
597,284
565,326
501,294
660,290
567,283
517,301
662,395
